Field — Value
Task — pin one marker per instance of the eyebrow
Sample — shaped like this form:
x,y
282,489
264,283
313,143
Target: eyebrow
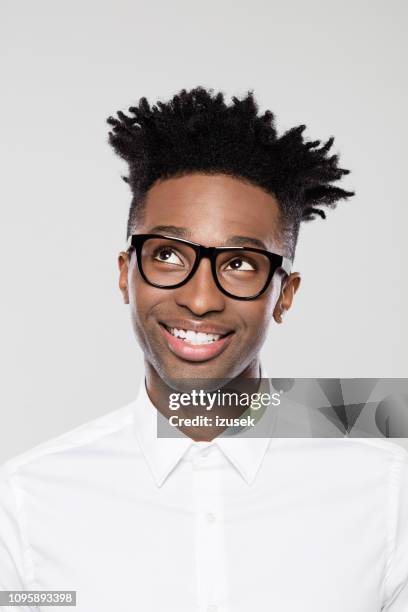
x,y
183,232
244,240
172,230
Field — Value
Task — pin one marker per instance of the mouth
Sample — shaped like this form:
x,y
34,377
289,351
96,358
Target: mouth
x,y
199,344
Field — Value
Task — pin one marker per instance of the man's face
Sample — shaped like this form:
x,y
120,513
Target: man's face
x,y
211,210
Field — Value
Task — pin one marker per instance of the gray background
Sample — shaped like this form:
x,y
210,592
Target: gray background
x,y
67,349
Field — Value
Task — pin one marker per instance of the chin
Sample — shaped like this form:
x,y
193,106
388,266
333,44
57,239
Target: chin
x,y
183,377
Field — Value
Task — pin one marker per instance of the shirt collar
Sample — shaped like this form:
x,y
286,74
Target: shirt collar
x,y
163,454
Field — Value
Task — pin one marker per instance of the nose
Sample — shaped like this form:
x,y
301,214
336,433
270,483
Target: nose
x,y
201,295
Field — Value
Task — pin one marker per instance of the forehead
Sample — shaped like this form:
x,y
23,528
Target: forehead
x,y
212,208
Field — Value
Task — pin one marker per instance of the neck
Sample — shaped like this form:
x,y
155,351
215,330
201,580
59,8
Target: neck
x,y
159,392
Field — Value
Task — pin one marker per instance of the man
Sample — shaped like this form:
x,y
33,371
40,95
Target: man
x,y
206,521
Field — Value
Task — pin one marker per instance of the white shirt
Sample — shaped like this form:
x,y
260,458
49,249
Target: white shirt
x,y
136,523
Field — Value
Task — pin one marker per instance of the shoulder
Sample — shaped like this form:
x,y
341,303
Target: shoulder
x,y
373,453
380,448
356,461
383,451
383,447
81,438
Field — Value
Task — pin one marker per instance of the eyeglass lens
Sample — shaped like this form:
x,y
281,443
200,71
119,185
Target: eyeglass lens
x,y
167,262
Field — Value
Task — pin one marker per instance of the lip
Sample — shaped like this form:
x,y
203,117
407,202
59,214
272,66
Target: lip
x,y
196,352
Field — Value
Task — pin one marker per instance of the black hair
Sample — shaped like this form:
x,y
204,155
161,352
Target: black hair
x,y
196,131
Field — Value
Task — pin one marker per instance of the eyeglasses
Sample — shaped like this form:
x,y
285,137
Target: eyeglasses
x,y
242,273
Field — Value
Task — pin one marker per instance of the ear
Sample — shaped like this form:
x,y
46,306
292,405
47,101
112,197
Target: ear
x,y
123,264
288,289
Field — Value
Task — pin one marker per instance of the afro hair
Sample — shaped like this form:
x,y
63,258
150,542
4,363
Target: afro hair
x,y
197,131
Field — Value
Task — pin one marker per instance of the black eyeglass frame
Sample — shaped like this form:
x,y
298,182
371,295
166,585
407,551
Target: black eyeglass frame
x,y
136,241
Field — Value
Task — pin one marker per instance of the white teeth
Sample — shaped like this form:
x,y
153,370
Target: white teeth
x,y
191,336
194,337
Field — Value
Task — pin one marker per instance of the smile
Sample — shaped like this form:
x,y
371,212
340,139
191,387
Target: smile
x,y
193,337
192,345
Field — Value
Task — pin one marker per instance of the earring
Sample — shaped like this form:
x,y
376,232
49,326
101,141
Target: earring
x,y
282,312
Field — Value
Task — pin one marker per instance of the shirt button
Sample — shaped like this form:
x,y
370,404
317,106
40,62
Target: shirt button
x,y
210,517
212,608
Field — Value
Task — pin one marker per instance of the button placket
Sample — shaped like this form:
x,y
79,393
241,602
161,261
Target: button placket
x,y
210,536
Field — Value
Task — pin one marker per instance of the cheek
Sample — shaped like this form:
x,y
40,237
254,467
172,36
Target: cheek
x,y
142,298
259,313
257,316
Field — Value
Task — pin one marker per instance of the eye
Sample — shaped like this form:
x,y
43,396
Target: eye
x,y
168,255
241,265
